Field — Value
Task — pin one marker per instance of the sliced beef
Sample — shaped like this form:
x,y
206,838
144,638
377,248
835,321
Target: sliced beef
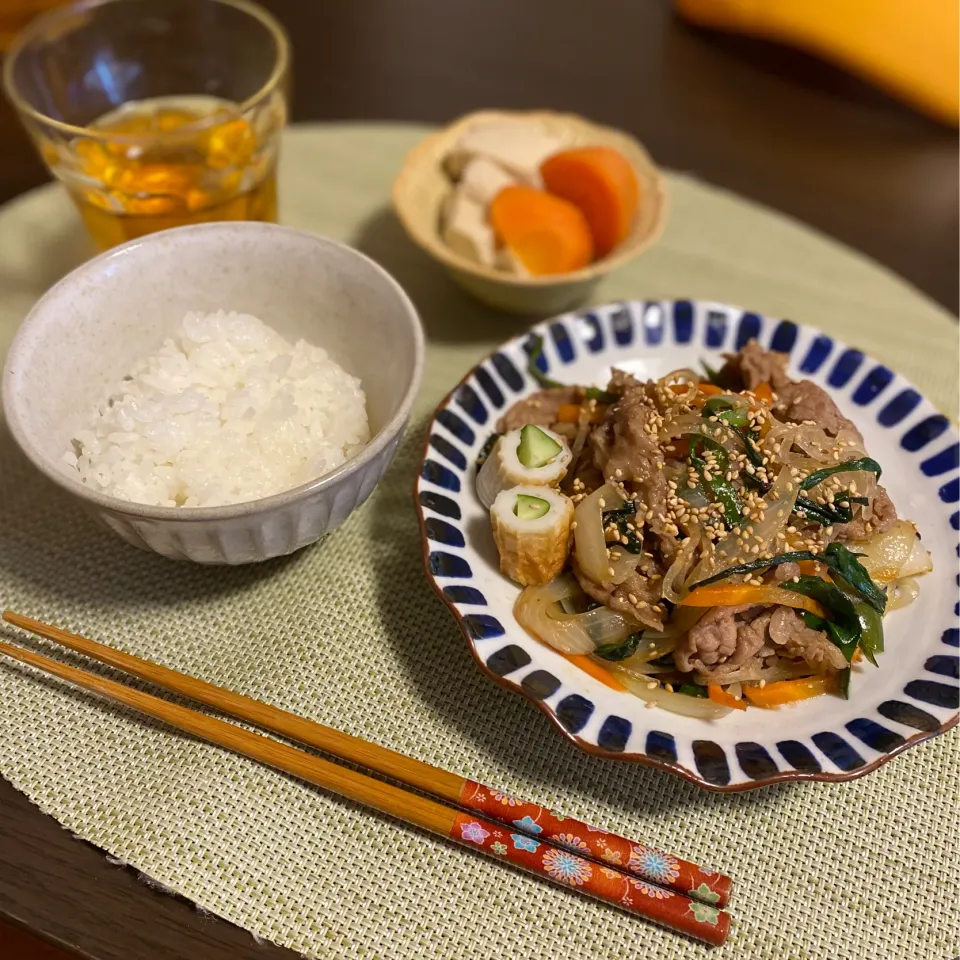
x,y
539,408
626,596
883,518
785,572
727,638
724,636
802,400
625,448
752,366
793,638
621,381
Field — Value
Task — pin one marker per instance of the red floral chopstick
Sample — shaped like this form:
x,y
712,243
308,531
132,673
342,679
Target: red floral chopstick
x,y
692,917
653,866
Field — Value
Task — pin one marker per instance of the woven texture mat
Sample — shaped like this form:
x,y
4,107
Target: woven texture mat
x,y
348,632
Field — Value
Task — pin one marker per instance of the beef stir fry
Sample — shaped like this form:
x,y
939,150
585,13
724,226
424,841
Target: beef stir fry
x,y
705,541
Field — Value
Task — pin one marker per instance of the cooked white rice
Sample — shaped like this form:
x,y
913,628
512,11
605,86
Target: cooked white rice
x,y
225,411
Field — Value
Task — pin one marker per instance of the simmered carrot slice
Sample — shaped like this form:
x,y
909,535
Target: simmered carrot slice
x,y
603,184
547,234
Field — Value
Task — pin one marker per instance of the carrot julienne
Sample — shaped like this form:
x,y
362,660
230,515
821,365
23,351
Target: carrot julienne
x,y
789,691
595,670
735,594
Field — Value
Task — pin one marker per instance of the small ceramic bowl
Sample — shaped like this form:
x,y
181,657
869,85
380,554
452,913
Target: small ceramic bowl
x,y
422,186
86,332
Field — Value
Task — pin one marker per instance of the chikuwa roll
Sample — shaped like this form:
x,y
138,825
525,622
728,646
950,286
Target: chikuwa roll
x,y
531,527
531,455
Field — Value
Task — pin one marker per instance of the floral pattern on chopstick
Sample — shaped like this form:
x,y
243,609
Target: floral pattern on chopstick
x,y
645,863
564,865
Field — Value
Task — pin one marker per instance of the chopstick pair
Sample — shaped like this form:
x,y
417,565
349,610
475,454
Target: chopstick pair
x,y
657,886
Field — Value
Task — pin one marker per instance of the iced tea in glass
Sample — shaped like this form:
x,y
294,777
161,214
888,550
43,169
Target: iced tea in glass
x,y
156,113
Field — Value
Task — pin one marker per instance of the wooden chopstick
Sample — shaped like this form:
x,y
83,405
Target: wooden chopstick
x,y
606,848
702,920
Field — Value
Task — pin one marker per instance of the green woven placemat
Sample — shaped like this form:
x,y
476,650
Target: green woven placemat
x,y
349,633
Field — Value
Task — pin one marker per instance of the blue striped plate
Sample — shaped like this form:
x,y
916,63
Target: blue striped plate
x,y
913,695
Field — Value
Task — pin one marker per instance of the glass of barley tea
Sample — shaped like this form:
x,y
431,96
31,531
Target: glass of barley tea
x,y
155,113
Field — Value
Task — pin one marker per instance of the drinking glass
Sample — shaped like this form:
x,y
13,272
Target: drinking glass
x,y
155,113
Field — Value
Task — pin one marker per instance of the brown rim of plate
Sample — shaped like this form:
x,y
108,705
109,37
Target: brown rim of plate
x,y
642,758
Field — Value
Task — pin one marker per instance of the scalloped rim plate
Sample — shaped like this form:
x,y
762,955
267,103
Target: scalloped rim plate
x,y
912,696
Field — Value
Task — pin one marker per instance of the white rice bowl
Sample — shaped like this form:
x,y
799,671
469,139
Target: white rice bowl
x,y
225,412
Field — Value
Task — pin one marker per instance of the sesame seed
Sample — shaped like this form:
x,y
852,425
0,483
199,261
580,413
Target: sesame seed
x,y
618,472
762,683
611,571
668,687
641,604
601,503
573,526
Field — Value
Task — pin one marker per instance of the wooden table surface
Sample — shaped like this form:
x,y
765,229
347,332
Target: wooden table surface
x,y
769,123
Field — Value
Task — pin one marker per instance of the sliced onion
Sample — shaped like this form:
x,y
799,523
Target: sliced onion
x,y
675,578
653,646
894,554
686,706
901,593
602,624
590,543
583,431
531,613
780,500
754,672
679,425
682,376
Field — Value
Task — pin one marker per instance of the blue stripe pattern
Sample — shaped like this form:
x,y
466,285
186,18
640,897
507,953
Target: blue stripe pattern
x,y
562,341
614,733
442,532
799,756
497,383
489,386
872,385
456,426
784,337
818,352
574,711
908,715
507,660
482,626
540,684
682,321
848,363
748,329
595,341
661,746
440,475
439,504
924,432
901,406
943,461
716,328
950,491
838,750
508,372
621,322
875,736
653,323
446,449
466,595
